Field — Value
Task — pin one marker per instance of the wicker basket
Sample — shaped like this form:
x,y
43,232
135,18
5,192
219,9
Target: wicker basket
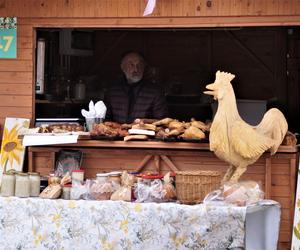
x,y
193,186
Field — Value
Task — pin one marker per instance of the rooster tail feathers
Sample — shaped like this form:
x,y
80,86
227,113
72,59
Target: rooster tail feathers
x,y
273,126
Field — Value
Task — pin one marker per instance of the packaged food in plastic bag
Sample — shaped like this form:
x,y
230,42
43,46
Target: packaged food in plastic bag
x,y
65,179
149,192
52,191
124,191
169,192
241,193
98,190
79,191
67,161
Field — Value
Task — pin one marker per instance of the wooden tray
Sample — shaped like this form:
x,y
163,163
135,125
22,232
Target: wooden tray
x,y
204,140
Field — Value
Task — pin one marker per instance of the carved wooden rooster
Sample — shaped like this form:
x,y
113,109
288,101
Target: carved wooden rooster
x,y
235,141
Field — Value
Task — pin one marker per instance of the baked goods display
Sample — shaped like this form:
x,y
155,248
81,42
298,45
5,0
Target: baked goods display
x,y
53,129
61,128
145,129
108,129
168,129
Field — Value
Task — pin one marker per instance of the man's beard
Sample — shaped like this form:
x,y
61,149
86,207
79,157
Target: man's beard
x,y
134,79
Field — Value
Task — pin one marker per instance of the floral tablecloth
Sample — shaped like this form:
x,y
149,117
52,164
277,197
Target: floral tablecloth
x,y
35,223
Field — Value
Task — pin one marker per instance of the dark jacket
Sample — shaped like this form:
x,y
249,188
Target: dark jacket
x,y
141,100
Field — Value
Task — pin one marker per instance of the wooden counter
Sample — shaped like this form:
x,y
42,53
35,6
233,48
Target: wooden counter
x,y
276,173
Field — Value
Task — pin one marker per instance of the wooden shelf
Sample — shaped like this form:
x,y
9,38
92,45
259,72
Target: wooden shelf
x,y
60,102
85,142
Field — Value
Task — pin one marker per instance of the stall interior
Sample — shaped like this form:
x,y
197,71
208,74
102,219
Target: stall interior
x,y
80,64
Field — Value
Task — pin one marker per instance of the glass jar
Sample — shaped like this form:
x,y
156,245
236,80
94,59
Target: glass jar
x,y
115,177
77,175
102,177
8,184
66,192
35,184
52,179
22,185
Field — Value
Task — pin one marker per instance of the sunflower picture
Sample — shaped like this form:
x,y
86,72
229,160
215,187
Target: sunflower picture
x,y
296,225
12,151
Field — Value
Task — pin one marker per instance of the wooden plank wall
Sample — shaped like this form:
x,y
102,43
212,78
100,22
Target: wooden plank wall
x,y
134,8
16,78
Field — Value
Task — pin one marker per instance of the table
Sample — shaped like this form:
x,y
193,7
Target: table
x,y
33,223
277,173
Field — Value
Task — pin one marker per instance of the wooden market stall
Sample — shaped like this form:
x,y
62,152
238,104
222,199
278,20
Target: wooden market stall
x,y
277,173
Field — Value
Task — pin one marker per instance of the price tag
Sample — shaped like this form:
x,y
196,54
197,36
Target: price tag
x,y
8,37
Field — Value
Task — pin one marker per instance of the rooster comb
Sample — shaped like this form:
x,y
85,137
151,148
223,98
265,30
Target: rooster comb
x,y
224,76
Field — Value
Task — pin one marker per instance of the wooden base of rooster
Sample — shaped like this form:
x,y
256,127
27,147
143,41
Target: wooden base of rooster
x,y
235,141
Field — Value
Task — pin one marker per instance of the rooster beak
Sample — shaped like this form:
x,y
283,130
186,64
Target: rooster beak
x,y
211,89
208,92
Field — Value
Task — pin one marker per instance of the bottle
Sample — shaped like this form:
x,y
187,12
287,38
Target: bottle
x,y
68,90
80,90
40,67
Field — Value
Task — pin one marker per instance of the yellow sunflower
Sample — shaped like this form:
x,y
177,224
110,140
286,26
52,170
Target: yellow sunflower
x,y
11,147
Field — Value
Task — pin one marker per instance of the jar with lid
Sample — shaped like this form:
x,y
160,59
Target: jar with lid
x,y
77,175
22,185
66,192
102,177
35,184
148,178
52,179
8,184
115,179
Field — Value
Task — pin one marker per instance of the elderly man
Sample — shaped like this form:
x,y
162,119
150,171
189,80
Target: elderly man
x,y
134,97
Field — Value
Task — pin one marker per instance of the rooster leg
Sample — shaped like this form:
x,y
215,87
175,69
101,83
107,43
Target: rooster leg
x,y
238,173
228,174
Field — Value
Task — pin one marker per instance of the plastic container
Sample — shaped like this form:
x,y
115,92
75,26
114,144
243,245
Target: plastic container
x,y
8,184
77,175
22,185
35,184
91,121
66,194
